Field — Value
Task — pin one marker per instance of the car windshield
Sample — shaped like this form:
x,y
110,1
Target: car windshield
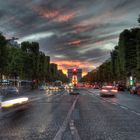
x,y
69,69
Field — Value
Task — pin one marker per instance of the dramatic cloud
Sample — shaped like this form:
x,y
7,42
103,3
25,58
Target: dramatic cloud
x,y
75,33
36,37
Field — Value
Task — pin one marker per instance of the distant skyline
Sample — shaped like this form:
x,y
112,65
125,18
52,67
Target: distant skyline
x,y
74,33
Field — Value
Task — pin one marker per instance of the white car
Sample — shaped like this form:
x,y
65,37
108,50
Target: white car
x,y
108,91
42,87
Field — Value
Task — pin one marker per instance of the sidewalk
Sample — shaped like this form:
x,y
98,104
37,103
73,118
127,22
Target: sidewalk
x,y
127,92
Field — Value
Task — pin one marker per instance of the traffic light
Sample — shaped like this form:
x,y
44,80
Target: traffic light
x,y
131,81
74,71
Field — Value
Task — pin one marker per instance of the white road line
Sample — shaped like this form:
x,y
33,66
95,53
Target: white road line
x,y
114,103
62,129
74,131
123,107
133,111
39,98
137,113
35,99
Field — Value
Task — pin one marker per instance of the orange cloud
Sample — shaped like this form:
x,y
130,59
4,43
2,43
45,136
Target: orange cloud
x,y
55,15
49,14
64,65
81,28
65,17
75,42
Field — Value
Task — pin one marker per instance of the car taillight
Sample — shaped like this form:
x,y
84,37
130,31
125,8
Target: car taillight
x,y
114,90
104,90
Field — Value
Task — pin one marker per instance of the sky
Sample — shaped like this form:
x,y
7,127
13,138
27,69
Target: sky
x,y
74,33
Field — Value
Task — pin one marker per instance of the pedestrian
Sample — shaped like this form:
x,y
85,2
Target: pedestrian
x,y
133,89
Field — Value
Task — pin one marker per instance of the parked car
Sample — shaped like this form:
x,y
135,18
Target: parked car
x,y
121,87
11,90
138,90
108,91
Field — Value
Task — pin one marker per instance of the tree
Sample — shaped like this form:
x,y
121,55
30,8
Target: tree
x,y
139,20
32,52
42,71
15,62
3,55
138,56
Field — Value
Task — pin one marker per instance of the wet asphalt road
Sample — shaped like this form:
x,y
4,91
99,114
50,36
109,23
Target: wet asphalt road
x,y
60,116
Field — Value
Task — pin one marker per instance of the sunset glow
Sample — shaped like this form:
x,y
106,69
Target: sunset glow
x,y
64,65
54,14
75,42
74,34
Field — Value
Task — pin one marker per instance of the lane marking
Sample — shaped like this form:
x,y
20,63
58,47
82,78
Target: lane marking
x,y
133,111
137,113
74,131
123,107
62,129
114,103
39,98
35,99
117,104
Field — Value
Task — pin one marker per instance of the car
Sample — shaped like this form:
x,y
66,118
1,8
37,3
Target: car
x,y
55,88
50,87
138,90
43,87
96,87
108,91
61,87
10,99
68,87
11,90
14,103
74,91
121,87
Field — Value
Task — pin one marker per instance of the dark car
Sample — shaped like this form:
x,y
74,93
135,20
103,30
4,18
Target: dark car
x,y
11,90
96,86
121,87
138,90
74,91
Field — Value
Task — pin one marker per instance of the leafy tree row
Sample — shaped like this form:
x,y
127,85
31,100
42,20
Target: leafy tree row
x,y
27,62
124,60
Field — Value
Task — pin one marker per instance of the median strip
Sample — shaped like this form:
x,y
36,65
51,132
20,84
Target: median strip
x,y
62,129
74,131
